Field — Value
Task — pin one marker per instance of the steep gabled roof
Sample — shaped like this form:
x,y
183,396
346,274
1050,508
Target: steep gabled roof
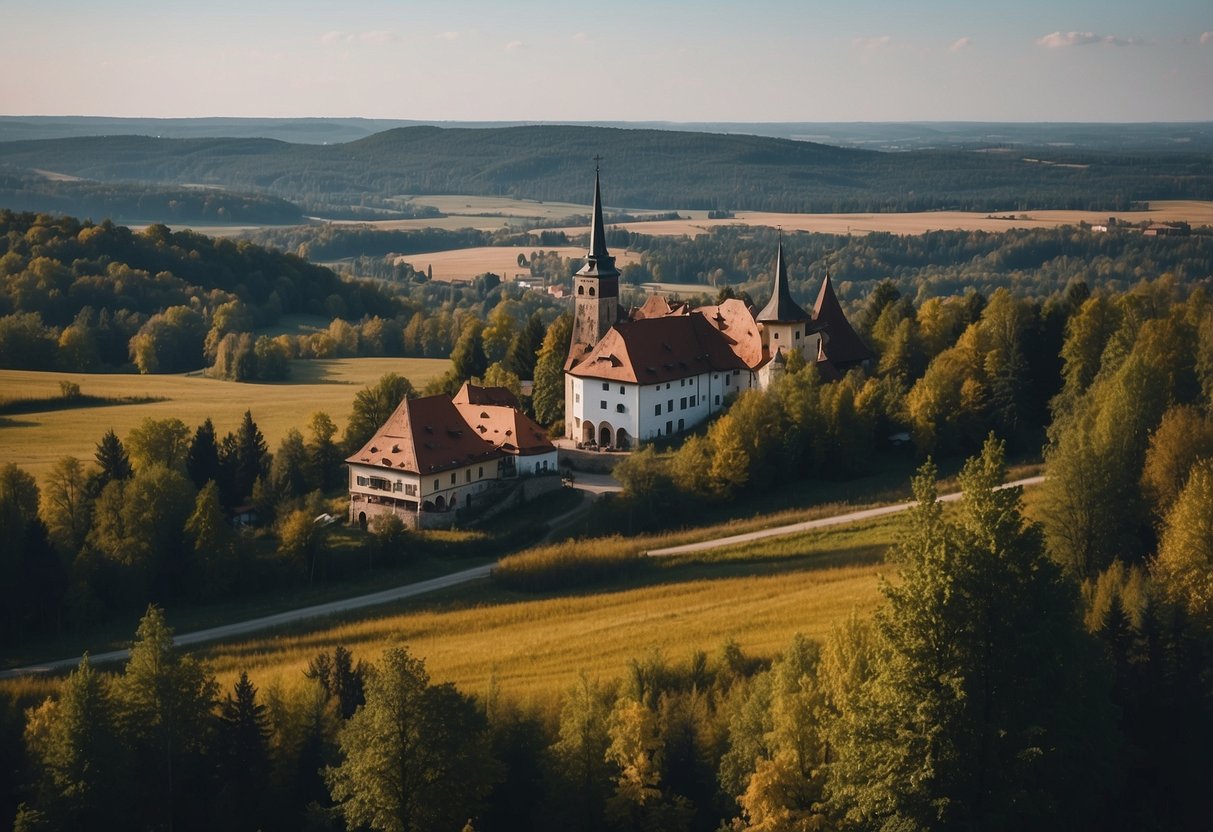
x,y
840,343
781,308
475,394
506,428
659,306
735,321
656,350
425,436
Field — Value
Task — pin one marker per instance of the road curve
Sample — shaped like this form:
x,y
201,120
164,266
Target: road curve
x,y
809,525
386,596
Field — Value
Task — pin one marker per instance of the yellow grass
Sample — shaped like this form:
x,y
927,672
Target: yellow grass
x,y
535,648
506,206
466,263
35,440
1191,211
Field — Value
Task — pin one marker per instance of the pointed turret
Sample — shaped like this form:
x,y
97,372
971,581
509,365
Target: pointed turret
x,y
841,344
781,308
595,289
598,261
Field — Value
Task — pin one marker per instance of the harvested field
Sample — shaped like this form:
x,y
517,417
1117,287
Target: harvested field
x,y
1191,211
466,263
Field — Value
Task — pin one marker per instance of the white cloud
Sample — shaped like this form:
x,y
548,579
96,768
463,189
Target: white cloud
x,y
960,44
376,37
1057,40
871,43
514,44
1206,38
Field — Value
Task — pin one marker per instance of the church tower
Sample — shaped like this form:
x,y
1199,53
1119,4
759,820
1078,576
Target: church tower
x,y
785,325
595,289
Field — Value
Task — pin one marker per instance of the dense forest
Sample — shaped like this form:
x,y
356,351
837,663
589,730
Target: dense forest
x,y
645,168
132,201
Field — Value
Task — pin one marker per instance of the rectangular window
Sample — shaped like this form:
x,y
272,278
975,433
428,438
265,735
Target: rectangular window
x,y
669,427
775,336
454,478
480,473
621,389
798,335
576,398
670,406
656,412
606,385
362,480
682,403
602,405
398,486
436,486
717,398
467,475
410,489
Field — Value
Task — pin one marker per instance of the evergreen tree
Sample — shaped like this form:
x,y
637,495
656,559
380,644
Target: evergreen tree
x,y
251,457
468,359
983,711
112,461
202,461
289,472
242,759
215,547
164,704
324,458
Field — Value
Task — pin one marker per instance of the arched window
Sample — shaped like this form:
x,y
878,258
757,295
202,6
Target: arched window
x,y
581,290
591,291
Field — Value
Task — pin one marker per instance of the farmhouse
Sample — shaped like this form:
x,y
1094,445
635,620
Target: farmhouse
x,y
666,367
440,455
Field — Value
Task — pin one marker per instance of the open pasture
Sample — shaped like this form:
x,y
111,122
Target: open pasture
x,y
35,440
1191,211
466,263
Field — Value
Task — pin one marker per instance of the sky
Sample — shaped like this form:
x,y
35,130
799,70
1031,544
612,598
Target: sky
x,y
628,60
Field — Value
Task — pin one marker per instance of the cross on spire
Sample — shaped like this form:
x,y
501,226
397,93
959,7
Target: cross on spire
x,y
597,159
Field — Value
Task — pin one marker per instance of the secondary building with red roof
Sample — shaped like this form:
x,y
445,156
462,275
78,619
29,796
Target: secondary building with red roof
x,y
436,455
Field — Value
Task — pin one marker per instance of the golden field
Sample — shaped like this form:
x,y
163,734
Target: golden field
x,y
35,440
533,647
1191,211
466,263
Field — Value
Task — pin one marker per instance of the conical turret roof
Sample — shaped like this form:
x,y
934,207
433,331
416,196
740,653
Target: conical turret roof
x,y
781,308
842,345
598,261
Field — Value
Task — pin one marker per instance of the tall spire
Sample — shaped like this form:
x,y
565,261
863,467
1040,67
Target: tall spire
x,y
598,259
781,307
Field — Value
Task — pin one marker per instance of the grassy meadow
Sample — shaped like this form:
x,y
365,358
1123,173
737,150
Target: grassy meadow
x,y
36,440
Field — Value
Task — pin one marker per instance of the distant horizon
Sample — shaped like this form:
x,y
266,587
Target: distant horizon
x,y
577,122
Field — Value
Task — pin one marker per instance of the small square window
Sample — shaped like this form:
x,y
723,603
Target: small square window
x,y
606,385
602,405
775,336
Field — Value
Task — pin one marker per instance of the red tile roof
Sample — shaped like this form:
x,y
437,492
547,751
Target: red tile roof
x,y
656,350
475,394
424,436
506,428
735,321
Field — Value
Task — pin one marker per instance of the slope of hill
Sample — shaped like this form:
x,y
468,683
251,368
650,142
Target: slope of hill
x,y
645,168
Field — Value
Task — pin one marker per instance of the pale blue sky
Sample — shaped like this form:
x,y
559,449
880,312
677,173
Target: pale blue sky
x,y
764,60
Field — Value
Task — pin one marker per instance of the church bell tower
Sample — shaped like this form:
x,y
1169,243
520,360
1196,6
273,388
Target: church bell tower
x,y
595,289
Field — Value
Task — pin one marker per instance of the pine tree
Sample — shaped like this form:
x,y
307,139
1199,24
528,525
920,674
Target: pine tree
x,y
251,457
164,704
242,758
202,461
112,461
983,711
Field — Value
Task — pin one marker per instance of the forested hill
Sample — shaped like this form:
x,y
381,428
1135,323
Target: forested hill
x,y
642,168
